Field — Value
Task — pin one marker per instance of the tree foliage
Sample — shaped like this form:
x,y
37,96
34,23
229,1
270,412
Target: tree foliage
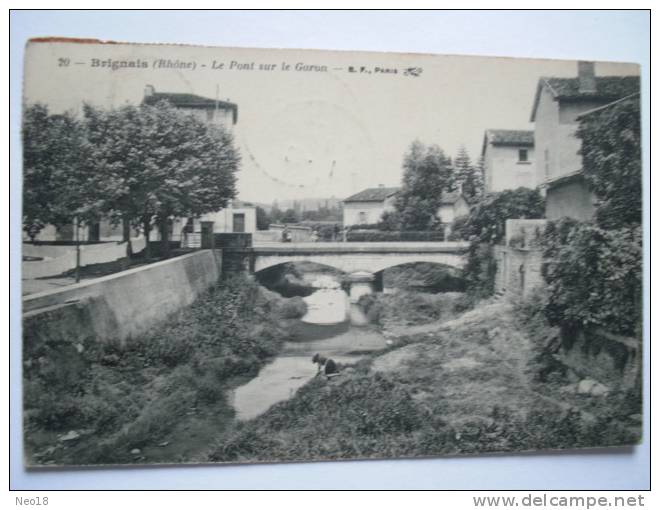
x,y
611,157
485,227
594,276
468,177
53,149
140,165
487,220
427,174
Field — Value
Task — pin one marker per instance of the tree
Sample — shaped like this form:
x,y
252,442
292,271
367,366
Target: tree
x,y
485,227
263,219
612,163
289,216
468,177
150,164
427,175
53,148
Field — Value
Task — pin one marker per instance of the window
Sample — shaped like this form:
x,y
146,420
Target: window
x,y
362,216
523,156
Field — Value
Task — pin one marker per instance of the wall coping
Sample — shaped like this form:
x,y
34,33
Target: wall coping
x,y
88,283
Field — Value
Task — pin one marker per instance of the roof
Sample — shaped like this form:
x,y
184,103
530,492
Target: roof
x,y
513,137
372,195
607,106
608,88
190,101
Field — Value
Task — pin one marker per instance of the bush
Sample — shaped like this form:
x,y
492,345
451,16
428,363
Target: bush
x,y
383,236
594,276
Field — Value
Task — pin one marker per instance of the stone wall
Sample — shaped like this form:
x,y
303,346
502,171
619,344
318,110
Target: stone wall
x,y
125,304
518,270
599,355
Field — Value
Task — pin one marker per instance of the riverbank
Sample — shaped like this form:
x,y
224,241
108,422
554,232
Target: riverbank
x,y
160,397
464,383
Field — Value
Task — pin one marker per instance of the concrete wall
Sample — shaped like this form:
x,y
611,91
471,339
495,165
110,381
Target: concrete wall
x,y
524,233
556,144
129,303
518,270
571,199
372,211
503,170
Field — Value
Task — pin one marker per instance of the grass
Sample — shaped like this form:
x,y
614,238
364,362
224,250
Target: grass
x,y
459,386
120,398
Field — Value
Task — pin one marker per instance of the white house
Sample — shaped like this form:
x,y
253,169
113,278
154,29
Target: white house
x,y
508,159
367,206
558,104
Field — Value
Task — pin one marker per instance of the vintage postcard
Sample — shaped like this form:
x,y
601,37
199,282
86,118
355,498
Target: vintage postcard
x,y
259,255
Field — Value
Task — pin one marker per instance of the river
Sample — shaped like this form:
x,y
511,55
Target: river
x,y
332,327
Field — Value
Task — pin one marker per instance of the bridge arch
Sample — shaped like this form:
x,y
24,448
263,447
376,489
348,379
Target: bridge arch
x,y
358,261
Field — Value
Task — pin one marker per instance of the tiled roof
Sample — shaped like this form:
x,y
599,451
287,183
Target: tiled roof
x,y
510,137
372,195
380,194
190,101
608,88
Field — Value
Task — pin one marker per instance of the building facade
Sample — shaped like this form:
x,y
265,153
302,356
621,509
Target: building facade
x,y
368,206
558,104
508,157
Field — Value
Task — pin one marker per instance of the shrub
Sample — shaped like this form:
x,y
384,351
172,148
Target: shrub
x,y
594,276
385,236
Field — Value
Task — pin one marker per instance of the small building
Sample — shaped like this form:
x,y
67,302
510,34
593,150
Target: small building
x,y
452,205
558,104
237,217
368,206
508,157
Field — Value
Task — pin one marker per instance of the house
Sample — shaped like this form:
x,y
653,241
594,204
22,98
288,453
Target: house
x,y
558,103
238,216
452,205
212,111
368,206
508,157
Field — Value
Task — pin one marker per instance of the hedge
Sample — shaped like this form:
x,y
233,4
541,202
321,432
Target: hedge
x,y
376,236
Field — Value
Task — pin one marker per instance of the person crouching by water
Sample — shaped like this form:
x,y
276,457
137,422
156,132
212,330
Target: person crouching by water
x,y
326,366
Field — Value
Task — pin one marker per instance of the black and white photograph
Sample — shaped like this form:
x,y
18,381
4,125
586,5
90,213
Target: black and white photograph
x,y
236,255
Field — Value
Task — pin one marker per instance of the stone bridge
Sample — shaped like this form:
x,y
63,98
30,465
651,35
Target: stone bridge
x,y
360,260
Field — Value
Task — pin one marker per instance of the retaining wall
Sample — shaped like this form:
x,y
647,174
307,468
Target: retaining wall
x,y
125,304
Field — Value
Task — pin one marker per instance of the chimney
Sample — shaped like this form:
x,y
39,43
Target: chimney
x,y
149,90
586,78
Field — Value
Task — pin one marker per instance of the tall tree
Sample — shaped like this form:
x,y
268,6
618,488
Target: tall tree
x,y
150,164
53,148
468,177
427,174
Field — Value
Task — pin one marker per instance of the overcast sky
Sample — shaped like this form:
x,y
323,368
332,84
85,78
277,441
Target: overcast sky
x,y
313,134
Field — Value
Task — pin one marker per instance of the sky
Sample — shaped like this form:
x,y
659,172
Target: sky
x,y
312,132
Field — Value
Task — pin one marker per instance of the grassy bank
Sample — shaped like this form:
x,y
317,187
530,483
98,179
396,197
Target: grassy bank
x,y
158,398
458,386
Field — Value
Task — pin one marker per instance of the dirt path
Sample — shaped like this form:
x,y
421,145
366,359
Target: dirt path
x,y
473,363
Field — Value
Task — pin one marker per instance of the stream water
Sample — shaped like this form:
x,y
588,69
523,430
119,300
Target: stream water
x,y
332,327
